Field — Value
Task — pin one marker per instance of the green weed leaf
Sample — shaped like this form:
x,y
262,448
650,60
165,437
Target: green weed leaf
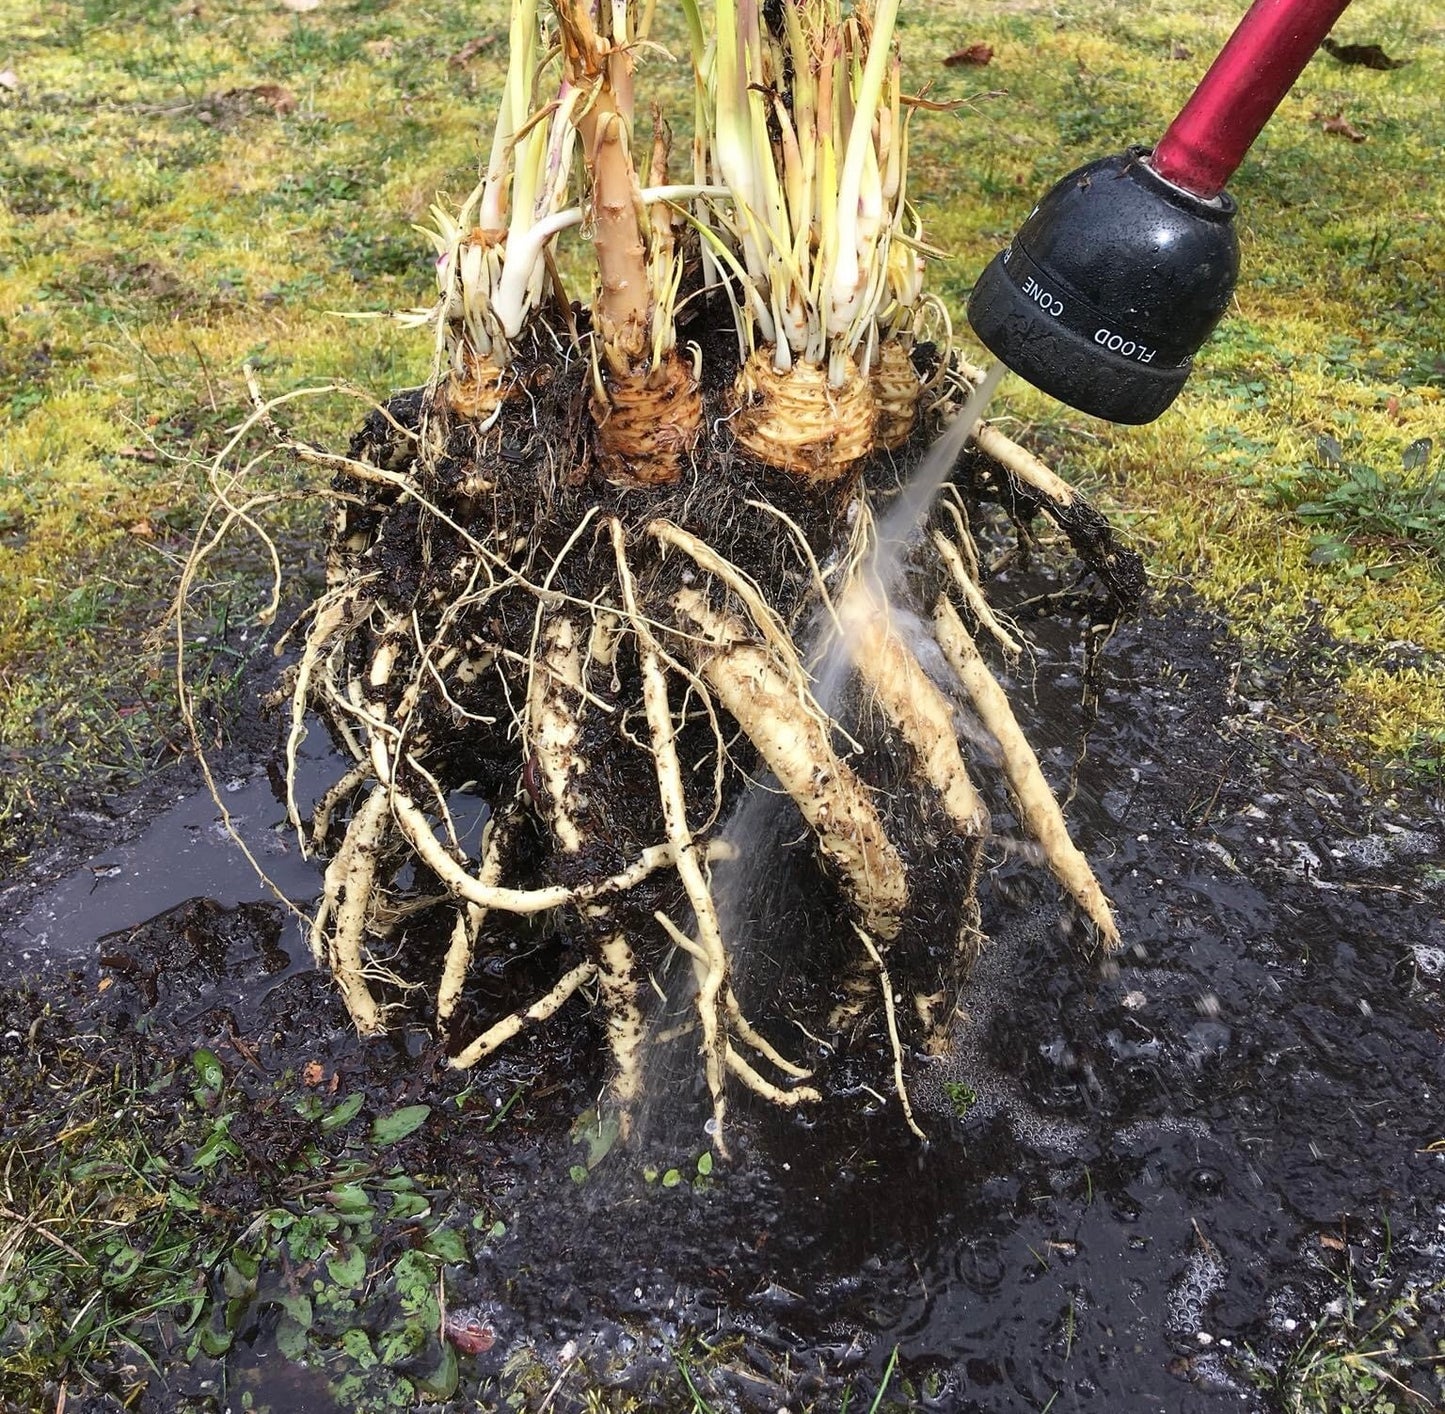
x,y
213,1342
344,1113
291,1339
441,1383
350,1199
209,1070
298,1308
348,1267
406,1207
389,1129
444,1243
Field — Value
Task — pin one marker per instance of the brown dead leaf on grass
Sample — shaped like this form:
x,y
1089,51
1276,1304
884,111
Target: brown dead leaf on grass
x,y
972,55
1339,125
1369,56
472,48
276,98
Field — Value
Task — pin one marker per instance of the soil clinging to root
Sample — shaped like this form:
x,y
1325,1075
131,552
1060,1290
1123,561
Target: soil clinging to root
x,y
611,669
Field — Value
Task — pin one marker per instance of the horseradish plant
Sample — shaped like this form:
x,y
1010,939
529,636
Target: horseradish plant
x,y
613,572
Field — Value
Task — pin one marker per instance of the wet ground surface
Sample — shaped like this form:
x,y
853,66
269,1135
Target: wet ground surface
x,y
1140,1178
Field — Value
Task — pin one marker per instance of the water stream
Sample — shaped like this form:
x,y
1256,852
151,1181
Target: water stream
x,y
832,651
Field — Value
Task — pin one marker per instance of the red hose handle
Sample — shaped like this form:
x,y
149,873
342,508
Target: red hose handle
x,y
1244,85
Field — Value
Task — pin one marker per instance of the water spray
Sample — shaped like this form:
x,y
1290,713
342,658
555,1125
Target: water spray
x,y
1122,271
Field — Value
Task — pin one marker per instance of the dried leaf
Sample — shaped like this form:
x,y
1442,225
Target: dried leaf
x,y
472,48
313,1073
1369,56
977,55
9,80
1337,123
301,6
276,98
142,530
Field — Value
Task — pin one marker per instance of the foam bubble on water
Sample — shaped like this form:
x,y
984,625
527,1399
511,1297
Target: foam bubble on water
x,y
993,985
1198,1285
1145,1131
1390,845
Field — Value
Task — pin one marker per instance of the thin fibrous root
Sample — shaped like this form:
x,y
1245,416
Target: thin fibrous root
x,y
973,596
763,615
1042,817
923,716
713,978
336,612
886,986
434,854
469,920
336,795
737,1019
765,1048
1007,453
797,421
355,865
543,1009
799,1095
754,688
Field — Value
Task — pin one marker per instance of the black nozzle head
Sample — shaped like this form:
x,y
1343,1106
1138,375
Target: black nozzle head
x,y
1109,288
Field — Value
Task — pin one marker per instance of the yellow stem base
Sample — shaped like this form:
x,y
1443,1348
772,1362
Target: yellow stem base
x,y
648,425
798,422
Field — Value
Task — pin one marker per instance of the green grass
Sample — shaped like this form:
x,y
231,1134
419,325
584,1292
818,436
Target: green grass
x,y
1373,1352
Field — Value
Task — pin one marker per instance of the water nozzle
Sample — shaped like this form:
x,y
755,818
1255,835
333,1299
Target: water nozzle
x,y
1124,268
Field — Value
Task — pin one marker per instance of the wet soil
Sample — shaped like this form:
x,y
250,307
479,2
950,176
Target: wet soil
x,y
1141,1179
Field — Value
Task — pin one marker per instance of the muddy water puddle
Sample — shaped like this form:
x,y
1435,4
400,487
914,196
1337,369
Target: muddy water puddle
x,y
1140,1177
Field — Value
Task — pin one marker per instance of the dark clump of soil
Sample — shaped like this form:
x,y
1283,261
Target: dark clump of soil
x,y
508,528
